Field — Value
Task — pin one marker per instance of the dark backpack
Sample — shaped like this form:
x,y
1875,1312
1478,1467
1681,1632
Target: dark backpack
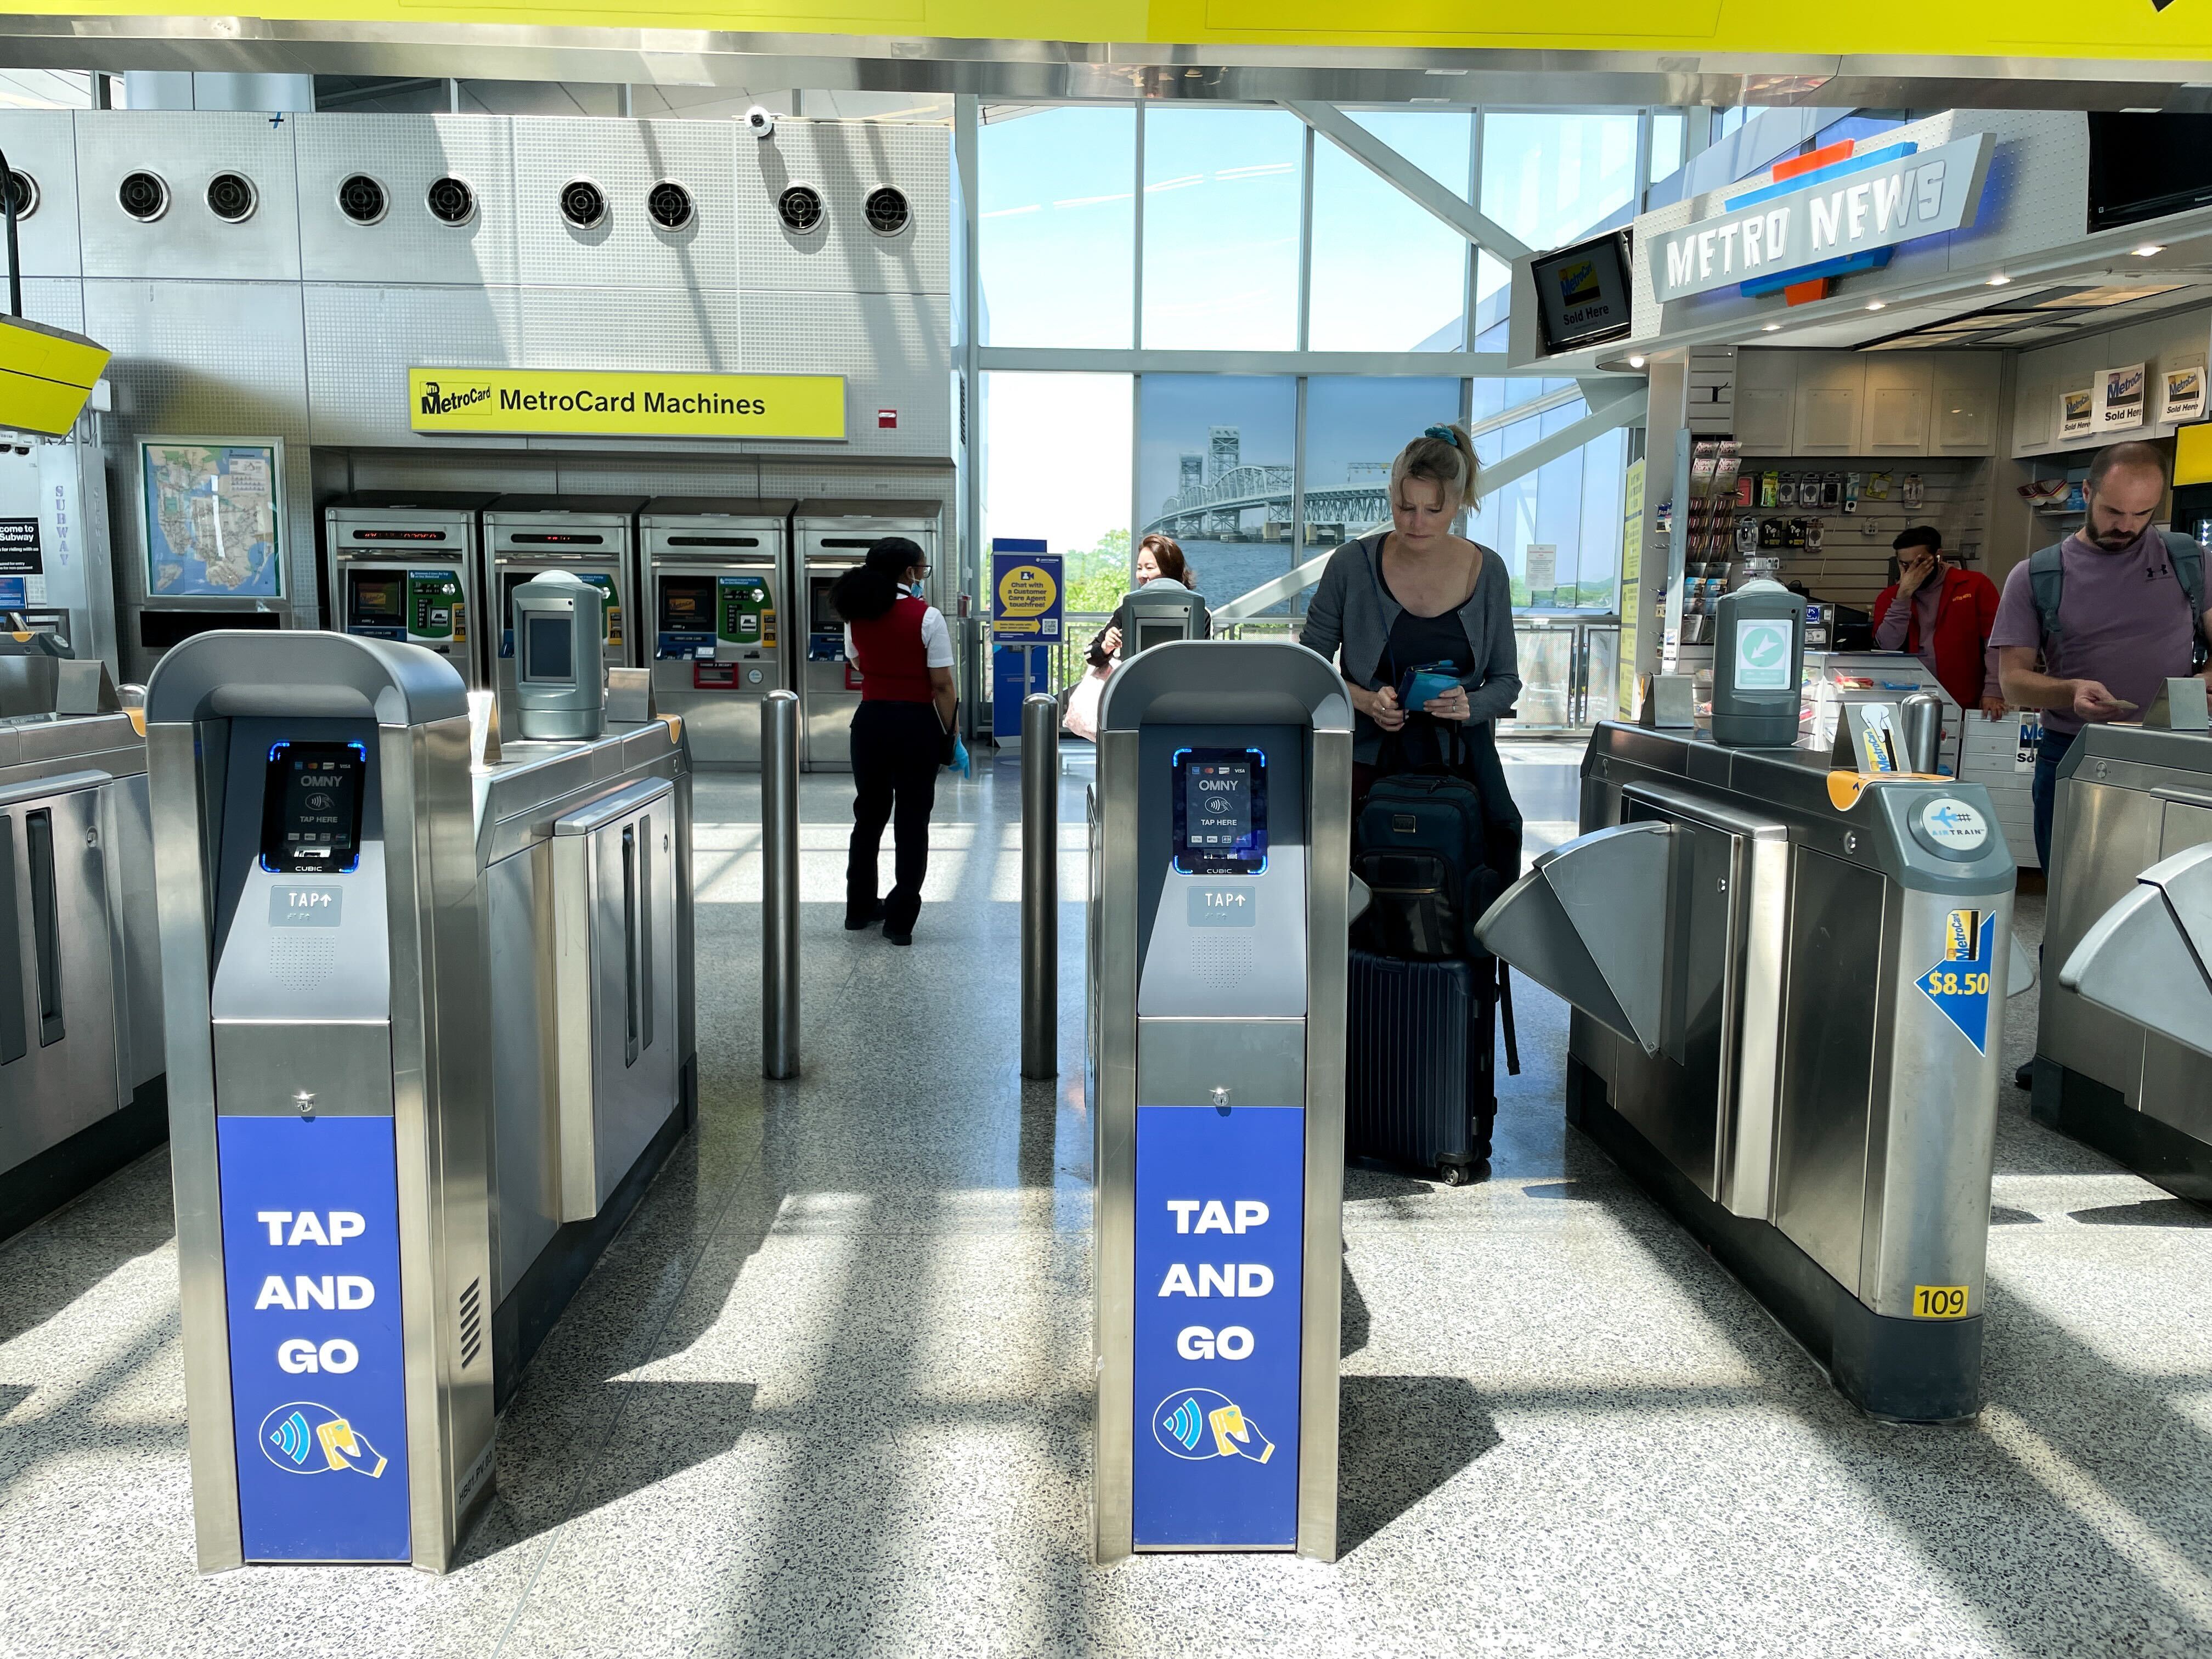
x,y
1419,843
2046,585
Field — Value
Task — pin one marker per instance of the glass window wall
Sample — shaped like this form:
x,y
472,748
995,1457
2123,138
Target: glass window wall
x,y
1549,177
1387,275
1355,427
1056,230
1223,189
1056,465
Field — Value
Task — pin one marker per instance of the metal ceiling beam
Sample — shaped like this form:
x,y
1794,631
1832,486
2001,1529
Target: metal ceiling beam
x,y
1622,411
1415,184
1020,70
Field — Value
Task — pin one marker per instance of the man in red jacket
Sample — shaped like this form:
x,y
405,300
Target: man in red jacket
x,y
1942,614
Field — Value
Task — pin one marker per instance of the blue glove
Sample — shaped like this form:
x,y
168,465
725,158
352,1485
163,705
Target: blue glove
x,y
960,761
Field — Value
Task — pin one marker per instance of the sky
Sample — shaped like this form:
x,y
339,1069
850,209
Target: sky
x,y
1221,198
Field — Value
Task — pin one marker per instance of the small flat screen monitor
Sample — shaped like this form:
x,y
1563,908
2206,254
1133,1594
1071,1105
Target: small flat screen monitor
x,y
1582,294
1220,799
311,805
2146,166
549,647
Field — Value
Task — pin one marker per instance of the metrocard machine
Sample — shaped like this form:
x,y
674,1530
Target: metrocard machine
x,y
1219,834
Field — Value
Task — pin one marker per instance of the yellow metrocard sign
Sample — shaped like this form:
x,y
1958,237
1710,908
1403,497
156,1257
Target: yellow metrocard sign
x,y
615,404
46,374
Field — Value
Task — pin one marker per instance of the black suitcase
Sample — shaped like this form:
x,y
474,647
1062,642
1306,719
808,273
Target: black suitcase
x,y
1420,1079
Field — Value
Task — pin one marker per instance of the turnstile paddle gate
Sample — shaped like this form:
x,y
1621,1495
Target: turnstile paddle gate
x,y
1220,848
323,950
403,565
2126,1018
1788,998
1159,615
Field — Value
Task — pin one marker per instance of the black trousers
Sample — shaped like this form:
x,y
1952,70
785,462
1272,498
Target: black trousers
x,y
895,752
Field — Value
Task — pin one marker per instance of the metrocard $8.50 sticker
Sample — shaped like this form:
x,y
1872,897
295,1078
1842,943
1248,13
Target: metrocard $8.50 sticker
x,y
1959,985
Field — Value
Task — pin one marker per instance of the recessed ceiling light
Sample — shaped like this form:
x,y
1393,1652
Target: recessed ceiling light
x,y
1636,363
1877,304
1999,280
2149,250
1770,328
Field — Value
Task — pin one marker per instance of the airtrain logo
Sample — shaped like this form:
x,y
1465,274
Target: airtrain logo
x,y
438,401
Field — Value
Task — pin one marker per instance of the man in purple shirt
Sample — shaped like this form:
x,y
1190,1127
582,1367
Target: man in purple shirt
x,y
2124,623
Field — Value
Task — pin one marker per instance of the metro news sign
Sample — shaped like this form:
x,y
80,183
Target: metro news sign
x,y
1836,215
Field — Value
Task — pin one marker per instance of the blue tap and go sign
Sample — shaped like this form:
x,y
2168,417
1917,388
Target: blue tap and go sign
x,y
311,1270
1220,1245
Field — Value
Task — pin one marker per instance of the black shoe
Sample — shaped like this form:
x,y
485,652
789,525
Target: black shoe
x,y
898,939
875,915
2025,1077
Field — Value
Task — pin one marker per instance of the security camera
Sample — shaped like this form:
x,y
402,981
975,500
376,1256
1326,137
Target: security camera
x,y
760,123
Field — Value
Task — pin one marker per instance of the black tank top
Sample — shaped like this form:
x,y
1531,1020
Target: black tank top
x,y
1417,642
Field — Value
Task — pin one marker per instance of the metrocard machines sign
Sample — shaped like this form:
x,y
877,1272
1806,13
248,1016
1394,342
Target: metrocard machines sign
x,y
1840,212
594,403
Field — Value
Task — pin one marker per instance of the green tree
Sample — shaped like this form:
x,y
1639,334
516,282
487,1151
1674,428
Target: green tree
x,y
1097,577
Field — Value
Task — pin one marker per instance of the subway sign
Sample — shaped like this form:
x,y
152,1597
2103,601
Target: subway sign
x,y
1857,208
591,403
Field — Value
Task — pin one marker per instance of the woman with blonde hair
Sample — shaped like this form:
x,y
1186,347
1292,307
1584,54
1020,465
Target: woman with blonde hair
x,y
1420,612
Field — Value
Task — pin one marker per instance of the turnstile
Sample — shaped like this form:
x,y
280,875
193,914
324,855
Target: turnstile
x,y
828,538
1220,858
717,571
2126,1013
1788,993
80,1082
595,537
404,565
430,1035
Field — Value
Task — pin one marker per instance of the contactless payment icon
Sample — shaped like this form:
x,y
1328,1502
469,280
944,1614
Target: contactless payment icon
x,y
1200,1425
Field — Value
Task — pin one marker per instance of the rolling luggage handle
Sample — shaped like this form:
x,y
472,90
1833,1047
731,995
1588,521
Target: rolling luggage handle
x,y
1505,1017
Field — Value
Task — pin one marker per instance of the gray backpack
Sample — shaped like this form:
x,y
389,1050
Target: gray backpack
x,y
2046,582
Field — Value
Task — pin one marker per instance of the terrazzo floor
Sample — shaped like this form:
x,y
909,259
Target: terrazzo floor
x,y
826,1394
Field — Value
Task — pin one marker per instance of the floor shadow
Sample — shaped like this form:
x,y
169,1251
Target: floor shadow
x,y
1399,1439
56,1260
1567,1192
13,1394
1039,1132
2151,1212
1369,1181
2003,1215
1358,1323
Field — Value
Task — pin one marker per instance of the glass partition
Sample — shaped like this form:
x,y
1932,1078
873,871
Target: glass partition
x,y
1222,206
1056,227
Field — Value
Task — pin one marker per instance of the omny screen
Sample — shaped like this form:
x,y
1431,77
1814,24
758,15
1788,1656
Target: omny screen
x,y
1220,799
310,806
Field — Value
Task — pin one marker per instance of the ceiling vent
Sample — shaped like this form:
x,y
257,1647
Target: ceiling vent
x,y
583,203
362,199
799,208
142,195
887,211
670,204
231,197
450,202
23,190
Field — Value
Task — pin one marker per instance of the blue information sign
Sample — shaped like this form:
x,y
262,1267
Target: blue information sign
x,y
1220,1241
1029,599
311,1267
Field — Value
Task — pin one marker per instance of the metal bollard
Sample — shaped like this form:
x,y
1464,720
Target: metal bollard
x,y
779,884
1040,886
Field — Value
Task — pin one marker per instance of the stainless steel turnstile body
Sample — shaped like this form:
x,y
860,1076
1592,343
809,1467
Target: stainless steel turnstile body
x,y
2126,1014
1216,1079
404,565
830,538
718,576
422,1069
594,536
81,1083
1788,1013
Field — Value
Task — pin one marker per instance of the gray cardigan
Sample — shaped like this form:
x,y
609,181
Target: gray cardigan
x,y
1352,609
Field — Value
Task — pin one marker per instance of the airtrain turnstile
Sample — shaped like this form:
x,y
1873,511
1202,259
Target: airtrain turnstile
x,y
404,565
395,1162
2126,1017
1788,993
1219,870
81,1083
594,536
717,573
830,538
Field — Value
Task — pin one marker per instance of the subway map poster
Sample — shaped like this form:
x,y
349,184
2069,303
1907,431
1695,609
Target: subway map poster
x,y
214,519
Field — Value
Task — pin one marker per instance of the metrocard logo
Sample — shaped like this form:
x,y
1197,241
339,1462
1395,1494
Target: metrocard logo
x,y
591,403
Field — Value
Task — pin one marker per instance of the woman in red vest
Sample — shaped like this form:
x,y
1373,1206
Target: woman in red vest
x,y
902,730
1942,614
